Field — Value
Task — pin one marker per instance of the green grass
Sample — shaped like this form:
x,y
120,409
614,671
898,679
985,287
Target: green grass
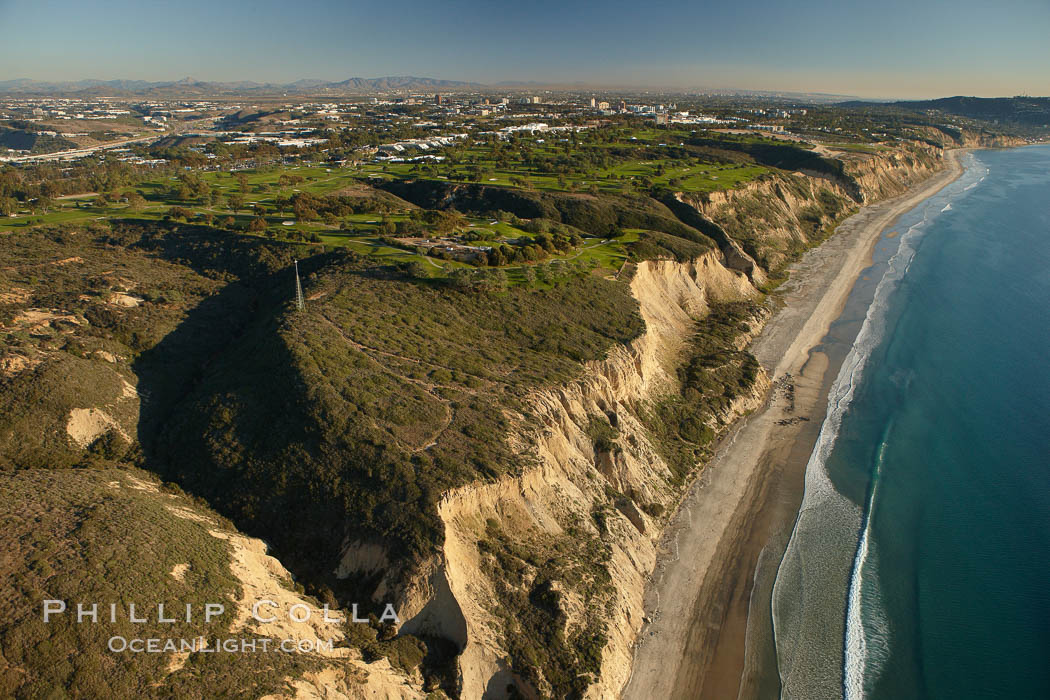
x,y
871,148
695,178
319,180
61,215
650,145
362,240
361,232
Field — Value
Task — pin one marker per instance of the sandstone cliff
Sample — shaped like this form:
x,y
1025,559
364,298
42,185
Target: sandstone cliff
x,y
573,535
604,504
573,477
764,224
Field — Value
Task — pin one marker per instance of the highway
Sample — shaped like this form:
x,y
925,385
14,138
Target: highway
x,y
81,152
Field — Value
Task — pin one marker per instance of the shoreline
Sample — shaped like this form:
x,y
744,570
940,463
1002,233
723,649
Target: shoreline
x,y
698,601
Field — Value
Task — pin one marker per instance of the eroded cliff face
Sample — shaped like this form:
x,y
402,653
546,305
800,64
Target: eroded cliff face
x,y
601,502
774,218
574,477
890,173
969,137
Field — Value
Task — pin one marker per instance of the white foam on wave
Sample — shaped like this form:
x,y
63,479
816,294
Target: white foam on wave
x,y
867,627
863,659
866,642
820,493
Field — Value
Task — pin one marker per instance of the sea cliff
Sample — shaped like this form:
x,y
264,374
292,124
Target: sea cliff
x,y
604,501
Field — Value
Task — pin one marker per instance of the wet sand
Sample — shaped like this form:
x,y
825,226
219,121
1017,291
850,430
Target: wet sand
x,y
742,507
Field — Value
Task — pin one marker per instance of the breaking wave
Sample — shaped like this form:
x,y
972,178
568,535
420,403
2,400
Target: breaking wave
x,y
866,643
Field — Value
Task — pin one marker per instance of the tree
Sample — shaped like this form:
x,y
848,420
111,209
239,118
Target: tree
x,y
257,225
180,213
545,273
43,203
407,227
444,222
462,277
136,201
494,279
50,189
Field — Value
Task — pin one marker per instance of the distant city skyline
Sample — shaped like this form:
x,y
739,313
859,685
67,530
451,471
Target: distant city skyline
x,y
892,49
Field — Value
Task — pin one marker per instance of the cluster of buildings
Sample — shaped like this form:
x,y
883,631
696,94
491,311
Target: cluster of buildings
x,y
394,151
776,113
289,139
532,128
127,156
300,125
56,108
103,108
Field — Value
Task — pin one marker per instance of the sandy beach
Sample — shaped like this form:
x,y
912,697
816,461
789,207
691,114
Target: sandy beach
x,y
747,497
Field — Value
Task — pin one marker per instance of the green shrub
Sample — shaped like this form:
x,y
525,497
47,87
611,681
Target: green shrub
x,y
712,376
89,537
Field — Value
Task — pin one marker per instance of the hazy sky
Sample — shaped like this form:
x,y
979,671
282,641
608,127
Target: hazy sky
x,y
876,48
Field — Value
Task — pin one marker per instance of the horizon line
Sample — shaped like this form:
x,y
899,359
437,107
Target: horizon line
x,y
465,85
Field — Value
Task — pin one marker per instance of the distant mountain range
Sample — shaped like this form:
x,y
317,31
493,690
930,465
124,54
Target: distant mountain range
x,y
192,86
1025,111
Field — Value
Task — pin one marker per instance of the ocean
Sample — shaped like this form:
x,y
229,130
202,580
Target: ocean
x,y
919,565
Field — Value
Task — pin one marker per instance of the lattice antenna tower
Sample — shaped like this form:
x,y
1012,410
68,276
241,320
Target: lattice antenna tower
x,y
299,303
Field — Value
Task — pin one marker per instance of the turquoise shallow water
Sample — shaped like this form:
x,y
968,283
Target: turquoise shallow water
x,y
920,564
